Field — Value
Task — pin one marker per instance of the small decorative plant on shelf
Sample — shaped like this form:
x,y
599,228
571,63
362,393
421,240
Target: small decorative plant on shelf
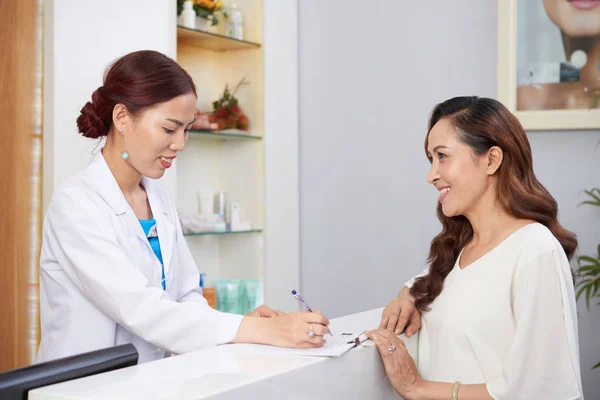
x,y
210,10
227,112
589,266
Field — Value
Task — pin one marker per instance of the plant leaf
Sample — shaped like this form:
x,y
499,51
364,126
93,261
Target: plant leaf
x,y
588,259
592,203
579,292
592,194
587,271
596,366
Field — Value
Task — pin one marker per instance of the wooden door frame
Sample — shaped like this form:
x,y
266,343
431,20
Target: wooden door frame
x,y
20,108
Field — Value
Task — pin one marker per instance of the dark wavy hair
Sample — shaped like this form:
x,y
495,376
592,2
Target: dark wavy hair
x,y
482,123
138,80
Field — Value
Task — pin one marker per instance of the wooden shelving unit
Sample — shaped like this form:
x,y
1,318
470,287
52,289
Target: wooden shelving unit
x,y
211,41
230,162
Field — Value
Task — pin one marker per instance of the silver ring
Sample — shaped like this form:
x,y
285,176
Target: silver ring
x,y
392,349
311,333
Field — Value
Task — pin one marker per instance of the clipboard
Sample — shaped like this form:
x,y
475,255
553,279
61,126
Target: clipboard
x,y
336,346
358,340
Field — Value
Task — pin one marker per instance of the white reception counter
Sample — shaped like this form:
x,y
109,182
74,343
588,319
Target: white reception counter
x,y
243,371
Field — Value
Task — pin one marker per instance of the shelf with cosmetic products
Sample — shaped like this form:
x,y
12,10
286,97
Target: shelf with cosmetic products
x,y
227,161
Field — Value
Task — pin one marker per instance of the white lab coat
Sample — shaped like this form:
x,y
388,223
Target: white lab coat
x,y
100,281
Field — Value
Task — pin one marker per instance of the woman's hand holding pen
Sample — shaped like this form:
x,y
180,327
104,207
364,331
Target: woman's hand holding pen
x,y
300,330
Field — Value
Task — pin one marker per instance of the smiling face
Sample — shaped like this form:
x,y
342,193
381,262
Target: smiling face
x,y
462,177
576,18
154,137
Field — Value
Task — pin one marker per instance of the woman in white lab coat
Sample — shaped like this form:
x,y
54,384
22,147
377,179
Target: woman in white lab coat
x,y
115,267
496,306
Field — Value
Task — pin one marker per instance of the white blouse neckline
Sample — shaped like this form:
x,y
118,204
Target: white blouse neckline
x,y
493,250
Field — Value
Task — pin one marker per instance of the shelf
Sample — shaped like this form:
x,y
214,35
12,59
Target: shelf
x,y
223,233
212,41
216,135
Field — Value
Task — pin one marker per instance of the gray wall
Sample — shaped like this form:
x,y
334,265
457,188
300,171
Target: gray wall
x,y
369,77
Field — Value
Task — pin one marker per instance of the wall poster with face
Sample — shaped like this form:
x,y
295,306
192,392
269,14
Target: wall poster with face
x,y
549,62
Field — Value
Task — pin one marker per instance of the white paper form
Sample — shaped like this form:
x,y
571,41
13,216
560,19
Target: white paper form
x,y
334,346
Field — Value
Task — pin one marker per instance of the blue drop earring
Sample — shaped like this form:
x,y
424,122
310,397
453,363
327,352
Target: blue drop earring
x,y
124,154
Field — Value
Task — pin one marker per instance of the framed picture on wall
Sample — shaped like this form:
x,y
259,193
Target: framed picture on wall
x,y
549,62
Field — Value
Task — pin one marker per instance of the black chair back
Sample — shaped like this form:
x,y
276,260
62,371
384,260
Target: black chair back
x,y
17,383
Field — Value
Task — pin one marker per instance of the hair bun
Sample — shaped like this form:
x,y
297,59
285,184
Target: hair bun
x,y
89,123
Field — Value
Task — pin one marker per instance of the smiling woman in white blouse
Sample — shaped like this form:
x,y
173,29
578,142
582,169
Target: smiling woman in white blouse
x,y
496,306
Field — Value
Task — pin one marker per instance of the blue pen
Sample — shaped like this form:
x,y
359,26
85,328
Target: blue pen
x,y
305,304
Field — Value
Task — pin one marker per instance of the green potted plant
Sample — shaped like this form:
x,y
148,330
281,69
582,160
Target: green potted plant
x,y
589,266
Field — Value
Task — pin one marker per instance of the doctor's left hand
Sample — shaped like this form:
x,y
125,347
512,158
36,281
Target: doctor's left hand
x,y
400,367
265,312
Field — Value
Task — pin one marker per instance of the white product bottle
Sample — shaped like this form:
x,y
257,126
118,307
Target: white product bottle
x,y
236,22
188,15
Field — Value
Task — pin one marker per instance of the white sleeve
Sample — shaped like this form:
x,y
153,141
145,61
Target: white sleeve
x,y
543,361
412,280
85,246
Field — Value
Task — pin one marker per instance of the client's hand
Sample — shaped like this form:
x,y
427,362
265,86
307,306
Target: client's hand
x,y
298,330
264,312
401,313
400,367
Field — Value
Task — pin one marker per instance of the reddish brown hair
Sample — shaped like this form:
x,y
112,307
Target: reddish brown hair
x,y
138,80
482,123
